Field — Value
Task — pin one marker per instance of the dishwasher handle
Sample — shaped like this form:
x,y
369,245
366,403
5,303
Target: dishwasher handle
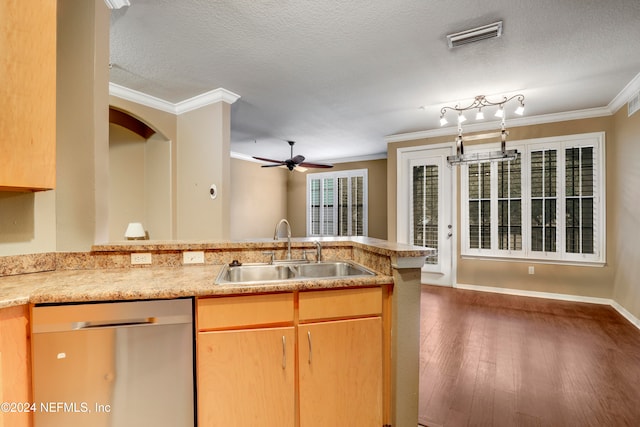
x,y
115,324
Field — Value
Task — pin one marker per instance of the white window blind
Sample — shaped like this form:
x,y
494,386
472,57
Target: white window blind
x,y
337,203
546,205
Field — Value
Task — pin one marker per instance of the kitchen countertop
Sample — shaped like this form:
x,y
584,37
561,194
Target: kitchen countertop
x,y
160,282
147,283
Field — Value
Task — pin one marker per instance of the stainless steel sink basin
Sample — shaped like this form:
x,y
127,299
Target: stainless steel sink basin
x,y
331,269
258,273
253,273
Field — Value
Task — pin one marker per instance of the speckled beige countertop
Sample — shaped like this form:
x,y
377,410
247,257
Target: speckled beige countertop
x,y
147,283
105,275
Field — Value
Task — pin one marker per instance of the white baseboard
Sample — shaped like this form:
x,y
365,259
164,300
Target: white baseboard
x,y
630,317
549,295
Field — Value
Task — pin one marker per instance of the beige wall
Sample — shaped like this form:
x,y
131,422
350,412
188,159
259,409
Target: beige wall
x,y
126,183
166,127
139,183
377,182
258,199
82,135
204,159
562,279
624,233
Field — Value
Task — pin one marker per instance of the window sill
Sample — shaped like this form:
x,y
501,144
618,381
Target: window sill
x,y
534,260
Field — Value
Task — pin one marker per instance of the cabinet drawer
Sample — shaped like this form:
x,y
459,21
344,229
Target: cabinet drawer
x,y
339,303
249,310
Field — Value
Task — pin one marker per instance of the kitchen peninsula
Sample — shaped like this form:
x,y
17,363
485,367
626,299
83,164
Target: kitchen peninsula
x,y
107,274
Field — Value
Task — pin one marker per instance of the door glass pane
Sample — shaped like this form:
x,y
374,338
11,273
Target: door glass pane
x,y
424,217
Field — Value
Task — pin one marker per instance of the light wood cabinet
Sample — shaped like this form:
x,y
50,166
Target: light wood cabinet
x,y
28,93
340,347
340,366
15,372
306,359
246,361
246,378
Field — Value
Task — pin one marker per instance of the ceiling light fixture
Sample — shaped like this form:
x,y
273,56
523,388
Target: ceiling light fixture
x,y
117,4
479,103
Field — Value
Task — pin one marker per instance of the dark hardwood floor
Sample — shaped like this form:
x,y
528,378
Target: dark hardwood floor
x,y
501,360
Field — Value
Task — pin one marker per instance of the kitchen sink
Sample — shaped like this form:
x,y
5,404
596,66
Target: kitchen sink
x,y
260,272
331,269
301,270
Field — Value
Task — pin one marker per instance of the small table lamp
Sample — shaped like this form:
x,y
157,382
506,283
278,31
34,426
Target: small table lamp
x,y
135,231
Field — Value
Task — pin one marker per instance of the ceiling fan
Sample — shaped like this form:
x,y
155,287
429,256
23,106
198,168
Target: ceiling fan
x,y
293,162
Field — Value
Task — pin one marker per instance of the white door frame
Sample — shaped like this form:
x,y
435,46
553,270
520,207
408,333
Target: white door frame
x,y
403,220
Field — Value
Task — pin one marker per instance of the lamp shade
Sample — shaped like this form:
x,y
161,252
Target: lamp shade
x,y
135,230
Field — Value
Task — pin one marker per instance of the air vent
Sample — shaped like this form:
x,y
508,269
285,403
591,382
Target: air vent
x,y
475,35
633,105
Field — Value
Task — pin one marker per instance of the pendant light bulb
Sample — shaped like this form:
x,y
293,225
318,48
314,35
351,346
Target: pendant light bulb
x,y
480,115
461,118
520,110
500,112
443,120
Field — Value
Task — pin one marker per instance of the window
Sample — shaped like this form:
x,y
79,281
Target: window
x,y
337,203
548,204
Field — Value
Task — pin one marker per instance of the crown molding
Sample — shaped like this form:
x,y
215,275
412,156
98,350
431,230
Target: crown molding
x,y
245,157
630,90
141,98
207,98
198,101
363,158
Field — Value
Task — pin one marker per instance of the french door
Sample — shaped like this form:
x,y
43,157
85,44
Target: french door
x,y
426,208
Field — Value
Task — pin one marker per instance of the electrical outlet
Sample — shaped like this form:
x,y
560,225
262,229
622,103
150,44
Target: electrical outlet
x,y
140,258
532,270
193,257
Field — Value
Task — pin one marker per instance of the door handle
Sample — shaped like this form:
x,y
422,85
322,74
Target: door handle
x,y
310,346
284,352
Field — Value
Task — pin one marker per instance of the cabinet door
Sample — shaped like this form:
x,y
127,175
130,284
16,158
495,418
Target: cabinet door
x,y
15,372
28,93
246,378
340,365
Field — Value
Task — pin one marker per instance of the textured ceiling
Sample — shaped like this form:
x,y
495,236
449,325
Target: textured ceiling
x,y
337,76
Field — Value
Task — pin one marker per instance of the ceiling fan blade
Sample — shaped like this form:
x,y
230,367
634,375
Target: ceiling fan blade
x,y
275,165
268,160
316,165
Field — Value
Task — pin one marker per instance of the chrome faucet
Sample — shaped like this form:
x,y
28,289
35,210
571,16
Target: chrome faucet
x,y
275,235
318,251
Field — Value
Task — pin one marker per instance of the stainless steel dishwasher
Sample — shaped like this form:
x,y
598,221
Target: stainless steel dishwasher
x,y
116,364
